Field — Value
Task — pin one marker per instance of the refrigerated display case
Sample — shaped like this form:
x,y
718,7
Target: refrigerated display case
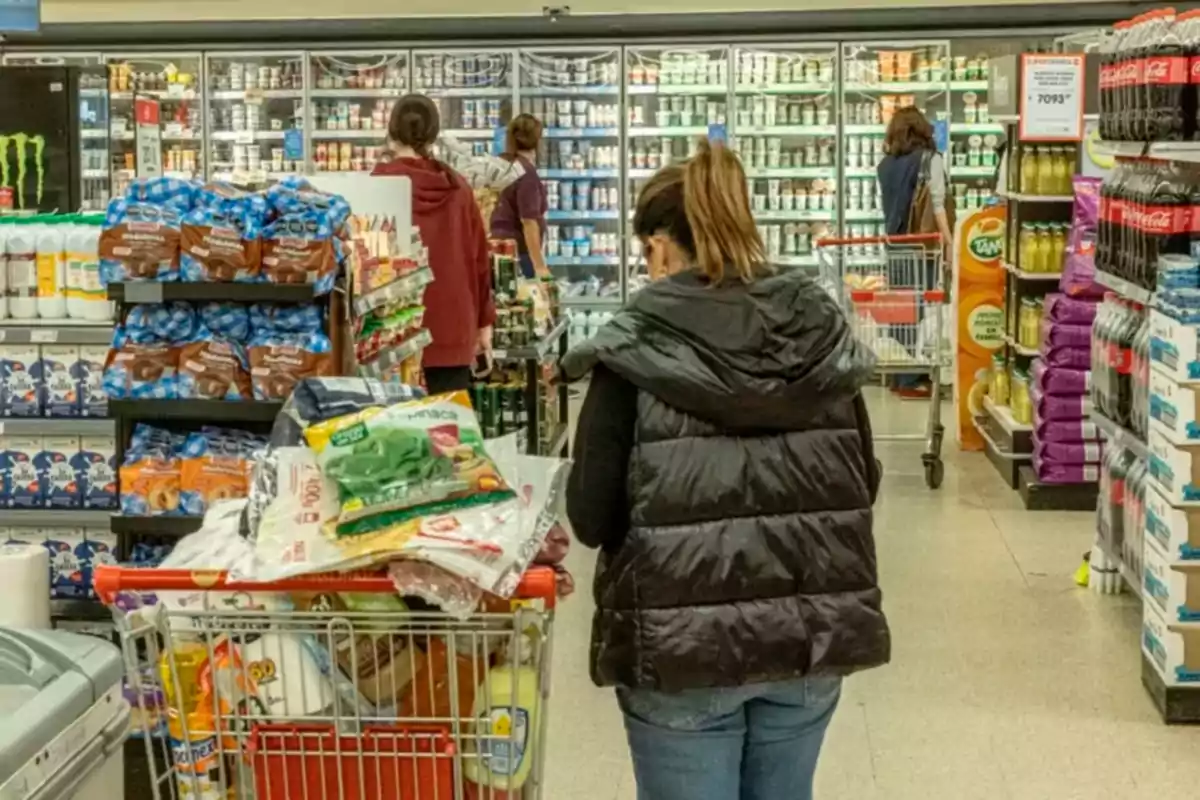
x,y
674,94
784,125
576,93
40,144
255,112
93,119
475,91
351,96
174,80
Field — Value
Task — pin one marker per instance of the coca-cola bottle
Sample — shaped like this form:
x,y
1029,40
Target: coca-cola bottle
x,y
1167,222
1129,83
1099,354
1108,79
1165,81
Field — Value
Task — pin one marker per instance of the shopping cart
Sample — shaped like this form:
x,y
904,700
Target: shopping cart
x,y
892,290
327,687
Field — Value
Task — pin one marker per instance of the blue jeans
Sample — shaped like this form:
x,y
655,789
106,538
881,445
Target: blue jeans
x,y
756,742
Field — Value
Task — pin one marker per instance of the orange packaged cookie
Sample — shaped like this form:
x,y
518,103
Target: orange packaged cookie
x,y
216,465
150,475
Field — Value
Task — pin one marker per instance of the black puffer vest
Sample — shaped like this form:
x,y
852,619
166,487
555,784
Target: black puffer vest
x,y
749,555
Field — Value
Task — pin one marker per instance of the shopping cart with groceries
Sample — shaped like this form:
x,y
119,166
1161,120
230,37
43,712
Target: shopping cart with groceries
x,y
333,687
892,290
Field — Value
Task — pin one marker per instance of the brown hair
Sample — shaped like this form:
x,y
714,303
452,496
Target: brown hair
x,y
704,207
524,133
908,131
415,122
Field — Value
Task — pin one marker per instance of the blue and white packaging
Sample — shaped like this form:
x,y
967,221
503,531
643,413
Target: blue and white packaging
x,y
18,455
20,389
89,375
66,570
59,388
96,463
61,482
99,548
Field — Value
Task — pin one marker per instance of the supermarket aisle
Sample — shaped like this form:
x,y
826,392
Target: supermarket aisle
x,y
1007,681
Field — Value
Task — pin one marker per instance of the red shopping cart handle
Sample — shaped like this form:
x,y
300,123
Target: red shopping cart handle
x,y
867,296
906,238
538,583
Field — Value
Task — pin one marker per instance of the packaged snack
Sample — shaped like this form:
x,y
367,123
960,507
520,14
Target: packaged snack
x,y
1069,452
22,489
140,242
56,374
1054,472
97,465
407,460
279,360
1079,271
160,322
59,479
89,376
216,466
66,571
222,243
1059,380
150,474
20,390
135,371
274,318
1068,430
1059,407
213,368
230,320
99,548
179,194
1069,357
1060,308
1061,334
302,248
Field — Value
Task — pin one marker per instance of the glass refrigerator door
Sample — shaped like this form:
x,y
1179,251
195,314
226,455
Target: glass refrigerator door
x,y
255,116
576,93
352,94
784,123
878,79
93,119
174,80
674,96
474,91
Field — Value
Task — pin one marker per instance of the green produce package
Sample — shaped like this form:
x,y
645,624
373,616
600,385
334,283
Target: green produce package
x,y
405,461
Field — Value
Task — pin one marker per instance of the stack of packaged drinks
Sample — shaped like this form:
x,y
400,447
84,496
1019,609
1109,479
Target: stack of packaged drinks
x,y
1148,87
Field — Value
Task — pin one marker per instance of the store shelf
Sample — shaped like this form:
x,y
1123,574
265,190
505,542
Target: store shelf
x,y
973,172
897,87
691,130
580,133
579,173
677,88
784,88
581,215
1004,417
1170,151
196,410
254,177
56,517
354,94
539,350
374,133
55,331
179,95
1020,349
976,127
1124,287
93,133
252,95
583,261
1036,198
1031,276
94,174
246,137
791,172
404,287
785,130
1119,435
470,133
56,426
466,91
391,358
1055,496
175,527
568,91
795,261
799,215
864,216
1176,704
155,292
864,130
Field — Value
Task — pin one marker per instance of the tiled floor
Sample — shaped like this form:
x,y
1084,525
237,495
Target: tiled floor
x,y
1007,680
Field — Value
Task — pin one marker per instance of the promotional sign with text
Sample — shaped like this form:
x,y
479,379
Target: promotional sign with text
x,y
978,314
1051,97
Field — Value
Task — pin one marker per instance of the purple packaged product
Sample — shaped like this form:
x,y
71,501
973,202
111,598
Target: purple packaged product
x,y
1061,334
1054,472
1069,452
1067,430
1079,271
1070,310
1059,380
1069,357
1056,407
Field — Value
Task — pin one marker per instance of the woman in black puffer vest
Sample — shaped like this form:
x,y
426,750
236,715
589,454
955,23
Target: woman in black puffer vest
x,y
724,467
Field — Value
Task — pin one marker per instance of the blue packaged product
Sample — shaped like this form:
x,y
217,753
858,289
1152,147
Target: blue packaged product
x,y
57,372
96,463
22,489
302,248
20,386
66,570
267,318
178,193
59,478
140,242
230,320
89,376
99,548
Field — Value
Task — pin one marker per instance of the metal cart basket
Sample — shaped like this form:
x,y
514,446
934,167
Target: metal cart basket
x,y
330,686
892,290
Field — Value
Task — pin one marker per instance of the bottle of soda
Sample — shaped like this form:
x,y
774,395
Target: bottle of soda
x,y
1168,218
1099,354
1108,78
1166,80
1127,88
1191,48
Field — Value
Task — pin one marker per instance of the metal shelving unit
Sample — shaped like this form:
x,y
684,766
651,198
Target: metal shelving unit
x,y
351,94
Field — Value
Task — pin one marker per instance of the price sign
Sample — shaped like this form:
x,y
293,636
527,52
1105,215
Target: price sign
x,y
149,137
1051,97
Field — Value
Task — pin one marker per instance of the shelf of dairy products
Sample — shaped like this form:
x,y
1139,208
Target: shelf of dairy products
x,y
255,105
174,80
351,94
575,93
673,94
474,91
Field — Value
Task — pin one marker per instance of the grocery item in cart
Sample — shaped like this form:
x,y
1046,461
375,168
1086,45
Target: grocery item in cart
x,y
395,464
140,242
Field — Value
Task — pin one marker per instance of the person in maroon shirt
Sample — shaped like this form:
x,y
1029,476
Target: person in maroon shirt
x,y
459,310
520,212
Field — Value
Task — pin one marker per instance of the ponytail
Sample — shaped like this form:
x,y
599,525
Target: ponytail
x,y
705,208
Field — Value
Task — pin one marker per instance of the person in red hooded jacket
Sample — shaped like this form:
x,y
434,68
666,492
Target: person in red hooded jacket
x,y
459,310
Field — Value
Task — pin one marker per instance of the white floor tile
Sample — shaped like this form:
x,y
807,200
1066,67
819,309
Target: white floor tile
x,y
1008,681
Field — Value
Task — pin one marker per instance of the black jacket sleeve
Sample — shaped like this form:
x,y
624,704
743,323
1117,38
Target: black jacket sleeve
x,y
597,492
874,468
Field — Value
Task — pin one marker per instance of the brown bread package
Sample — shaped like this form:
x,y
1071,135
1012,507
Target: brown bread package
x,y
142,244
214,369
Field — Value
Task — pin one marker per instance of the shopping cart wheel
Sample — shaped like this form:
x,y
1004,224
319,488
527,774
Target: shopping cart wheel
x,y
935,470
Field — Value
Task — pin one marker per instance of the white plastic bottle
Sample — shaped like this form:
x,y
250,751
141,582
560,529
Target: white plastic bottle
x,y
51,272
508,726
21,247
87,297
75,261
